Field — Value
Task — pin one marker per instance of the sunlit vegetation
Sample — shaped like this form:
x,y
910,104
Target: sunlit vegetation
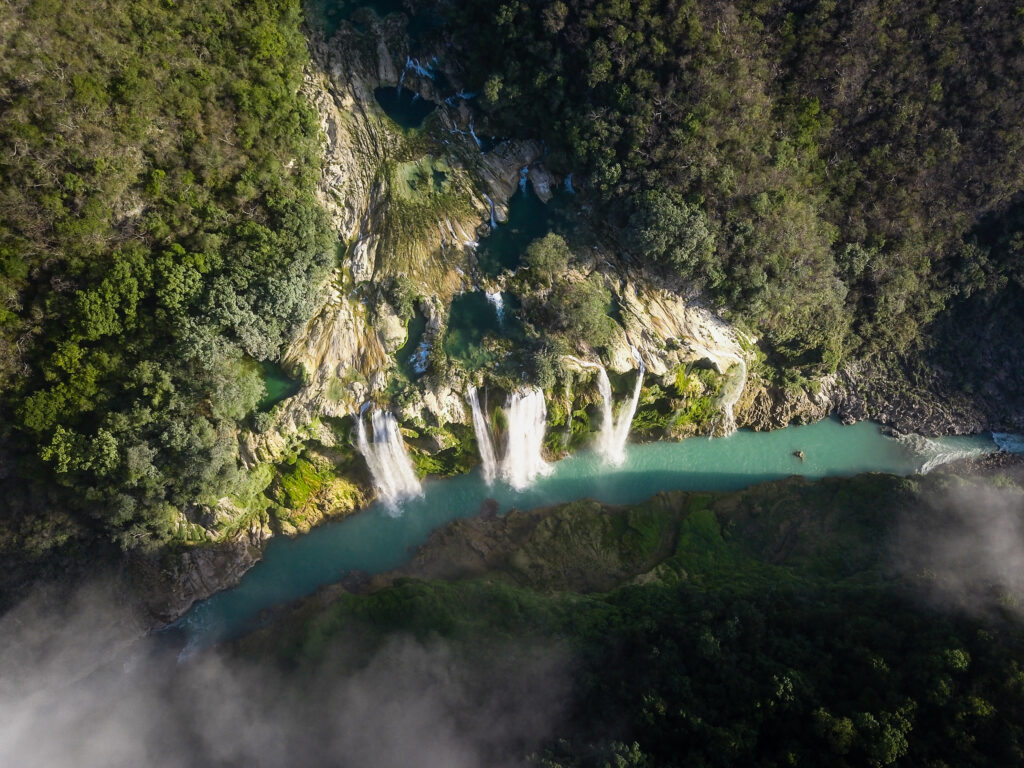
x,y
158,233
817,167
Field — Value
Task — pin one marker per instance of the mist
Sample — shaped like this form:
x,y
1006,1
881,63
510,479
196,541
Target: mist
x,y
81,686
965,549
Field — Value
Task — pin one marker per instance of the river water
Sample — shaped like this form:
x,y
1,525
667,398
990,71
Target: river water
x,y
379,539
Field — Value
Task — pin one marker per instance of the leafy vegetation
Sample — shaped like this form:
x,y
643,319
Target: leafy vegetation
x,y
818,166
762,628
158,233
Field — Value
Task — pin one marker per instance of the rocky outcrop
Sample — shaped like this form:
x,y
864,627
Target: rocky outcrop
x,y
859,393
170,583
890,399
669,331
766,406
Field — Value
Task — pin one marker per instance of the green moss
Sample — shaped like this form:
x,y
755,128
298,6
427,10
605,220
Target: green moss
x,y
300,482
312,488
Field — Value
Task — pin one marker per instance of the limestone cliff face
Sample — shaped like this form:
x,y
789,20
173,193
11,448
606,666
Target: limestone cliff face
x,y
170,584
670,331
392,228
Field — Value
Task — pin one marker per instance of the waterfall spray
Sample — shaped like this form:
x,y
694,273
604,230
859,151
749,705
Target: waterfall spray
x,y
483,437
495,299
731,394
524,462
389,464
617,454
614,434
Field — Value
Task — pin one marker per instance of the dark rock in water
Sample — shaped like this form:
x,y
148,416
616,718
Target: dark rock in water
x,y
489,508
799,455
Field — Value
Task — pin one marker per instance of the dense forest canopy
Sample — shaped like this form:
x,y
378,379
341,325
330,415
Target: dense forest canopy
x,y
820,167
846,178
842,623
158,235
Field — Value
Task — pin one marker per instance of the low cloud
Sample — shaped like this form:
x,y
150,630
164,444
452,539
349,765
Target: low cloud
x,y
966,548
80,687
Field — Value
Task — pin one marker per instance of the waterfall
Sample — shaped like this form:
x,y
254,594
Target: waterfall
x,y
401,79
606,437
732,390
389,464
625,420
495,299
420,358
568,185
731,394
494,224
483,437
522,177
524,462
418,68
472,132
614,434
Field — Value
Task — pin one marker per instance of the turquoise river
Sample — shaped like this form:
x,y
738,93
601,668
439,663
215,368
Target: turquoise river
x,y
379,539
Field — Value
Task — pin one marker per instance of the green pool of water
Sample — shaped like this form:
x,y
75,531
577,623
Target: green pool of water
x,y
528,219
278,384
471,320
403,106
377,539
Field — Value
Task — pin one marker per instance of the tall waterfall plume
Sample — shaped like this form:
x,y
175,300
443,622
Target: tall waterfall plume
x,y
483,437
393,475
617,453
524,462
733,388
731,394
614,434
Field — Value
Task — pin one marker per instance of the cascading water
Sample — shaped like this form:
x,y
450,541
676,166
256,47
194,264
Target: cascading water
x,y
524,462
472,132
494,223
617,453
606,437
523,174
731,394
495,299
614,434
389,464
1008,442
934,453
732,390
483,438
